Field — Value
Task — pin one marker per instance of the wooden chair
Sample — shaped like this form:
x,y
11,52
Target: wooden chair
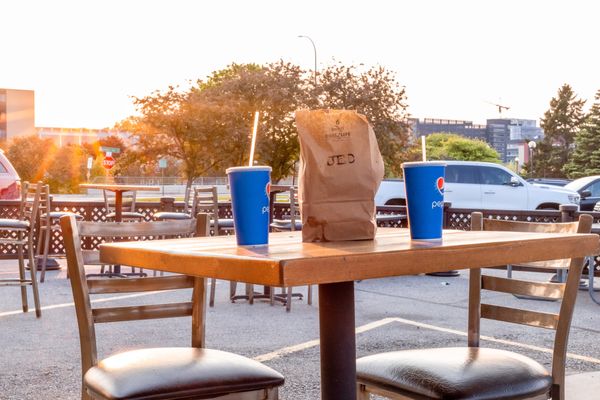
x,y
129,212
155,373
473,372
48,224
19,232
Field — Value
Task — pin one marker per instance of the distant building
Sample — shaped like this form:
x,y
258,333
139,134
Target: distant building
x,y
508,136
17,113
64,136
428,126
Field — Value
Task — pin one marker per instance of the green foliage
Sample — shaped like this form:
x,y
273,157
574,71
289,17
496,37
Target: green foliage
x,y
208,128
376,94
560,123
585,159
31,156
450,146
67,169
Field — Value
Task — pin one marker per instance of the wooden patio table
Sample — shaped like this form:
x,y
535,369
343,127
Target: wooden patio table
x,y
334,266
119,189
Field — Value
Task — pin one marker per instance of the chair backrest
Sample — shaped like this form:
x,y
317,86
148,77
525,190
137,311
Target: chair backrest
x,y
128,204
30,203
560,322
206,200
82,288
294,207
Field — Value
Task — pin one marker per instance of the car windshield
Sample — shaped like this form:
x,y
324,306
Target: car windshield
x,y
581,182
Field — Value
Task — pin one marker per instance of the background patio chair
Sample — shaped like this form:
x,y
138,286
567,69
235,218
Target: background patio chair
x,y
474,372
129,212
156,373
48,224
290,222
19,232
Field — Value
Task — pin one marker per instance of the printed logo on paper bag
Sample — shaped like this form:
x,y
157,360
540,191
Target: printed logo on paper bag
x,y
439,184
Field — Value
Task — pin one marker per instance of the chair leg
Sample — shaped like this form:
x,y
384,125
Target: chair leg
x,y
250,293
288,302
211,299
232,288
46,232
361,392
309,295
34,282
22,277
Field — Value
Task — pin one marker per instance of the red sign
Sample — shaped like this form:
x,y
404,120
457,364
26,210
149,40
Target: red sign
x,y
108,162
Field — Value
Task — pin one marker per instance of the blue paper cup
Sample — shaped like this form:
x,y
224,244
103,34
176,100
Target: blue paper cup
x,y
250,187
424,185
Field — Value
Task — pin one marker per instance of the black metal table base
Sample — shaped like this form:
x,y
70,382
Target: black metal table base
x,y
338,341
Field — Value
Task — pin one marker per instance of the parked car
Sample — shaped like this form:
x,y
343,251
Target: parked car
x,y
549,181
589,190
10,182
482,185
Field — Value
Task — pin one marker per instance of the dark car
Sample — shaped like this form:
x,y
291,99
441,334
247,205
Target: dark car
x,y
589,190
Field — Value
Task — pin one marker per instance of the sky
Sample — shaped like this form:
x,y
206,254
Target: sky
x,y
86,59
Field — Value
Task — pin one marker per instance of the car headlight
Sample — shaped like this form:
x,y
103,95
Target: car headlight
x,y
574,198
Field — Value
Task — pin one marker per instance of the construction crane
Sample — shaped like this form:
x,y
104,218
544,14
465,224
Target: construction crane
x,y
500,107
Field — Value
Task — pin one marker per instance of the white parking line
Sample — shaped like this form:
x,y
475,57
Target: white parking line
x,y
64,305
373,325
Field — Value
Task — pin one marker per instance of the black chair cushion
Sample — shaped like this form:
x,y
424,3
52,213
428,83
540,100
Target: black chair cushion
x,y
171,215
225,223
286,224
177,372
125,214
59,214
13,223
455,373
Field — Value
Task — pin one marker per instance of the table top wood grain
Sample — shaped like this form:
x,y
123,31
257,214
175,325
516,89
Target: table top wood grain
x,y
287,261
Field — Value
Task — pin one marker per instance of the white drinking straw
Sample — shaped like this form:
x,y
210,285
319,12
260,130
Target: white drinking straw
x,y
423,148
254,129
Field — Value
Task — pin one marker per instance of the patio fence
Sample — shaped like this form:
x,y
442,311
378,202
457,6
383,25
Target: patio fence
x,y
94,210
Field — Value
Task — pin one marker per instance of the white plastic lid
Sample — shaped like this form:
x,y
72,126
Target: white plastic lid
x,y
248,168
423,164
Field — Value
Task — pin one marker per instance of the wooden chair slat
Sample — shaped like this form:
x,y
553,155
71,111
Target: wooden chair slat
x,y
520,226
518,316
525,288
132,313
99,286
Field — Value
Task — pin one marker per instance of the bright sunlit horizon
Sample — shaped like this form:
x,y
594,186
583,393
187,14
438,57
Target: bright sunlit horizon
x,y
85,60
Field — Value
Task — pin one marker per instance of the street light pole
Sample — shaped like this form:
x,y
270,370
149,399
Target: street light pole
x,y
315,50
531,146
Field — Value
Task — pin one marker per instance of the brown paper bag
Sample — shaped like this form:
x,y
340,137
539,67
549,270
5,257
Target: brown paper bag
x,y
340,170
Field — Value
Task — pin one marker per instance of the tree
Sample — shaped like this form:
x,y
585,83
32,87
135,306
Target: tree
x,y
560,124
585,159
31,156
376,94
67,169
276,90
450,146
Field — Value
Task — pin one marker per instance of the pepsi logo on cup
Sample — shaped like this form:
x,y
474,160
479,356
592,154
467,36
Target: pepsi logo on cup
x,y
439,184
268,189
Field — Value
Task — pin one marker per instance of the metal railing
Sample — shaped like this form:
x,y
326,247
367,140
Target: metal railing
x,y
454,218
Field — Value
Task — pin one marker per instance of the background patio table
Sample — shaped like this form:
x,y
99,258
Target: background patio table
x,y
286,261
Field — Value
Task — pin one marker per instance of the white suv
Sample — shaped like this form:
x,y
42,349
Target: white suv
x,y
482,185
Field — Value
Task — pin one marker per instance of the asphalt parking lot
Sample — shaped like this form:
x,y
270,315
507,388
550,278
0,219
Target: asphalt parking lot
x,y
40,357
